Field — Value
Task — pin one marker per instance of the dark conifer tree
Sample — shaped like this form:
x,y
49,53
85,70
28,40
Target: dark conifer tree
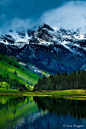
x,y
63,81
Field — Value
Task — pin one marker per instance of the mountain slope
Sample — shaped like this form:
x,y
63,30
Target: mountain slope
x,y
49,49
15,74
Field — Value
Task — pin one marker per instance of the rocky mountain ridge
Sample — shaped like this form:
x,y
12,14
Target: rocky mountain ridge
x,y
50,49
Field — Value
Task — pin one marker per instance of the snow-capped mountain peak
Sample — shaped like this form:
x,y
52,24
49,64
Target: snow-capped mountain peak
x,y
56,49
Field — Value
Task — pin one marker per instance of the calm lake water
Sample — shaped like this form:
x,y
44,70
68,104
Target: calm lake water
x,y
41,113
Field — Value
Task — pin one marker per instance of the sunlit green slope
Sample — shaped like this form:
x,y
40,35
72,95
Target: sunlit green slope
x,y
14,74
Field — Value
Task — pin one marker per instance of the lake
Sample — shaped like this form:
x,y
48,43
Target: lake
x,y
41,113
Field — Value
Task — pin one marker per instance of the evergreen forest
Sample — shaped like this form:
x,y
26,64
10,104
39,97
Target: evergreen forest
x,y
62,81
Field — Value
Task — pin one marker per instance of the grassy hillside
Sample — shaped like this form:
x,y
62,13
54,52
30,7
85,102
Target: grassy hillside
x,y
14,75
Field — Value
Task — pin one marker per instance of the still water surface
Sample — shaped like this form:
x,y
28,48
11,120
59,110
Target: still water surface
x,y
42,113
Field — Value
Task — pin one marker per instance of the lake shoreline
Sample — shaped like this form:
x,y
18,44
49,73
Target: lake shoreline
x,y
72,93
42,95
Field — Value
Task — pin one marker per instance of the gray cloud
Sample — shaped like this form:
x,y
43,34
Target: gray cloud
x,y
25,9
70,16
28,13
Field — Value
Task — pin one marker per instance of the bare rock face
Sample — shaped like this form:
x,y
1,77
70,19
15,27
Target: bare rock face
x,y
7,38
50,49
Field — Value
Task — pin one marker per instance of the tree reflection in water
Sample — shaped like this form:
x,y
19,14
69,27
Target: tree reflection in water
x,y
62,106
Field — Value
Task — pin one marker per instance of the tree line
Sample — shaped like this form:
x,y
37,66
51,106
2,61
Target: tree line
x,y
62,81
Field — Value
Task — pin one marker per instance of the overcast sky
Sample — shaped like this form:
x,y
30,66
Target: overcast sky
x,y
28,13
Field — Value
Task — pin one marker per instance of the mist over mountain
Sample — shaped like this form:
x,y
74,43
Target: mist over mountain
x,y
27,14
